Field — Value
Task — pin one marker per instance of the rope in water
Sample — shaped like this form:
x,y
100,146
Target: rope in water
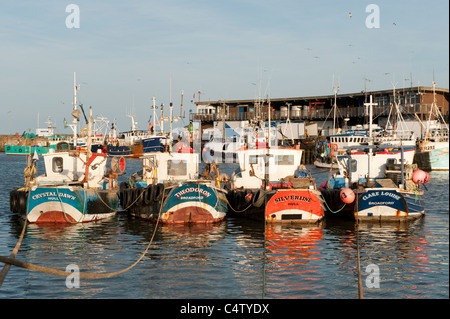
x,y
360,289
12,261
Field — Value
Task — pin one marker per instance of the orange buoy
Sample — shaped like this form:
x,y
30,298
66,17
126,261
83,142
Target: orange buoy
x,y
420,177
347,195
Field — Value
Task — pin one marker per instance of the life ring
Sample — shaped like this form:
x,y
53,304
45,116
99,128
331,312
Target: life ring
x,y
334,147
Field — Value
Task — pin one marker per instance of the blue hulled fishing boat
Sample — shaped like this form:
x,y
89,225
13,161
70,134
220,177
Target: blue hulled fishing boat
x,y
170,190
76,186
375,183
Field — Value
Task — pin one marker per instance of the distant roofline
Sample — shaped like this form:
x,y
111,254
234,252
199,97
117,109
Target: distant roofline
x,y
321,97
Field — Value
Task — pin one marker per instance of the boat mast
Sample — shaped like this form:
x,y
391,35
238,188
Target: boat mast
x,y
181,105
154,113
435,109
170,113
370,105
75,112
335,89
267,176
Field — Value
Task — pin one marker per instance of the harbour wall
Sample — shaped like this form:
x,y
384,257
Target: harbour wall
x,y
16,140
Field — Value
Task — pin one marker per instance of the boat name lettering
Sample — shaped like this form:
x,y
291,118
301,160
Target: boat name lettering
x,y
53,194
382,193
381,203
192,190
292,197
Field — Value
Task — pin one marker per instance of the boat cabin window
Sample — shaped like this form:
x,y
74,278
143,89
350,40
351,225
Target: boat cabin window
x,y
57,164
176,167
285,159
253,159
353,165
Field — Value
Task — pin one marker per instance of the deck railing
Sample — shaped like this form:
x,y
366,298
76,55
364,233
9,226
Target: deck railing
x,y
315,113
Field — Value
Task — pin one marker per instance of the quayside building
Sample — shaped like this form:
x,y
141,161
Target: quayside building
x,y
413,102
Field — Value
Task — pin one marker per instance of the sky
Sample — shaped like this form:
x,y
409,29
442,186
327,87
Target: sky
x,y
125,53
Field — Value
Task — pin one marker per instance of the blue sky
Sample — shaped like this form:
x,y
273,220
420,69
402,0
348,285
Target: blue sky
x,y
125,52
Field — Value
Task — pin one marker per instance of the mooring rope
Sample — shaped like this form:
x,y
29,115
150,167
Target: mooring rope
x,y
7,266
12,261
334,212
360,289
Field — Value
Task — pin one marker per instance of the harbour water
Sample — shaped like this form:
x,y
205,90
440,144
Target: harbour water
x,y
235,259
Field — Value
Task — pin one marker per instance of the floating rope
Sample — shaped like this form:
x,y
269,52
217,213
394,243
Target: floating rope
x,y
334,212
360,289
6,268
12,261
238,211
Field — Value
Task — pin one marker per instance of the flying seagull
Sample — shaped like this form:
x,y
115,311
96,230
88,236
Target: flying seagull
x,y
350,15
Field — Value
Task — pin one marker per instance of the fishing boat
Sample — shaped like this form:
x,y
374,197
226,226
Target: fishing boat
x,y
435,141
395,133
127,143
76,187
223,146
170,190
28,146
375,183
326,155
271,185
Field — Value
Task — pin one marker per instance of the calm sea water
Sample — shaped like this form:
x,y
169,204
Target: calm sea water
x,y
237,259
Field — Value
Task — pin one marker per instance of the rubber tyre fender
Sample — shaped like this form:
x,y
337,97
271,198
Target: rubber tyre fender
x,y
158,192
138,195
13,201
258,198
147,196
123,197
22,202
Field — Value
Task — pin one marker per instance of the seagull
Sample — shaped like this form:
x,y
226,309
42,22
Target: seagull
x,y
350,15
394,23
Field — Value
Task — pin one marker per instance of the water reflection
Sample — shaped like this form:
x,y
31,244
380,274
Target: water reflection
x,y
293,260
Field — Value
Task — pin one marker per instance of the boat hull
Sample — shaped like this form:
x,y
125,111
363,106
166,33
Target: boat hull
x,y
383,205
153,144
26,150
324,164
195,203
66,205
294,206
439,160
